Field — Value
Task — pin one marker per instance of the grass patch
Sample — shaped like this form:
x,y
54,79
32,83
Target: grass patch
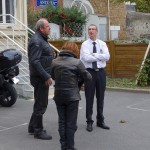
x,y
121,82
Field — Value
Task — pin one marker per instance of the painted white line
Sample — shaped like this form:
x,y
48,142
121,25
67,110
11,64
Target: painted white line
x,y
136,108
138,103
13,127
3,127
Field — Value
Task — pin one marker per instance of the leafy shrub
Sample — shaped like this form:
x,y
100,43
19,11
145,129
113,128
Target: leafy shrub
x,y
136,40
141,5
60,15
144,74
33,16
71,20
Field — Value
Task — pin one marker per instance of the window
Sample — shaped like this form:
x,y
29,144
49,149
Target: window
x,y
102,32
6,8
102,28
114,30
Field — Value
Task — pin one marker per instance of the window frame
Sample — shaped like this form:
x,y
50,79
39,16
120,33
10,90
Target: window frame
x,y
4,16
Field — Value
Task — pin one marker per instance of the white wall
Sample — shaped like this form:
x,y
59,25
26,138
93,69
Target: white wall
x,y
21,11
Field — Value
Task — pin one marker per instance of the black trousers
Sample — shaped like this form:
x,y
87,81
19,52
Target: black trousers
x,y
98,85
67,118
40,103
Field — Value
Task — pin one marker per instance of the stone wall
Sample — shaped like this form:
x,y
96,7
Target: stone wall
x,y
138,25
132,24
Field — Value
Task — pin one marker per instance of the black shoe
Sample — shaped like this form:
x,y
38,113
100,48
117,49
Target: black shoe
x,y
42,135
89,127
103,126
30,130
70,149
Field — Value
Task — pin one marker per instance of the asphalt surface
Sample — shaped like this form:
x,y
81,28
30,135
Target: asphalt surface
x,y
127,114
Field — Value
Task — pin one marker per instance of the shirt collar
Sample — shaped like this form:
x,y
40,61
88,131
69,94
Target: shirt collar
x,y
92,41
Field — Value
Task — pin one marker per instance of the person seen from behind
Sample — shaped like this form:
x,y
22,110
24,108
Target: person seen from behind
x,y
66,71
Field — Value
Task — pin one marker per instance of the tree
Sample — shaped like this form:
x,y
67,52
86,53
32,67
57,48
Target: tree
x,y
141,5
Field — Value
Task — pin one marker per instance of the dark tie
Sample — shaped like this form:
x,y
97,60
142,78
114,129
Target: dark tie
x,y
94,64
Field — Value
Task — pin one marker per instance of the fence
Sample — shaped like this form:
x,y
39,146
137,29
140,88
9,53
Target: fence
x,y
125,59
70,31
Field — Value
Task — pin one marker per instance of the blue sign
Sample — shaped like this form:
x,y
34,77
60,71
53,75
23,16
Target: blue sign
x,y
55,2
42,2
46,2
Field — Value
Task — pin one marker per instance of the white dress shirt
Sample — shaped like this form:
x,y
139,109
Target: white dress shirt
x,y
87,56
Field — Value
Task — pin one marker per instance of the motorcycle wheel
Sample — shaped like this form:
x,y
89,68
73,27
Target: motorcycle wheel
x,y
8,95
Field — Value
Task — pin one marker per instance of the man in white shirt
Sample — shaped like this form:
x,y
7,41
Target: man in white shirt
x,y
94,54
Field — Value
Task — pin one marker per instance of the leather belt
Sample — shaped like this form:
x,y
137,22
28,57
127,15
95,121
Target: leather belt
x,y
97,69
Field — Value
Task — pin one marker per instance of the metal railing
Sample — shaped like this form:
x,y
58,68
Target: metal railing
x,y
16,35
19,30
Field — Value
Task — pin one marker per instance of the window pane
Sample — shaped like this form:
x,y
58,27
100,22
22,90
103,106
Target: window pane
x,y
103,32
1,18
9,10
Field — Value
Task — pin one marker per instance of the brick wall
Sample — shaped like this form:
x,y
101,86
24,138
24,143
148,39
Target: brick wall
x,y
117,14
138,25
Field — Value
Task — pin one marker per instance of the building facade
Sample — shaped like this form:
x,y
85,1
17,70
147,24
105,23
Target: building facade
x,y
110,19
13,22
15,8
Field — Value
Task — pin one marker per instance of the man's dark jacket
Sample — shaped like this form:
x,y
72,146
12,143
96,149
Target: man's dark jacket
x,y
66,70
40,56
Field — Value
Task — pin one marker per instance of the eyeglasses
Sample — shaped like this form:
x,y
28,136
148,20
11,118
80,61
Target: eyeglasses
x,y
91,29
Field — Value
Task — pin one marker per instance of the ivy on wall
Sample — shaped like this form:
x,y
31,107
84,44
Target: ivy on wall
x,y
141,5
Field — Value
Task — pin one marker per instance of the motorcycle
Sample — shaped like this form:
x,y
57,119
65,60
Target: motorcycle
x,y
9,69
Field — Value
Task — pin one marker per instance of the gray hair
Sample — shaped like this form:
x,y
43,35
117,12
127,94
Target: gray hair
x,y
94,26
40,23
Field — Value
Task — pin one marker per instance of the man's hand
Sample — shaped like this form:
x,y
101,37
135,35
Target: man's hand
x,y
48,82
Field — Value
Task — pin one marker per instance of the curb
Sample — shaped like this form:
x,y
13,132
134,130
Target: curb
x,y
146,91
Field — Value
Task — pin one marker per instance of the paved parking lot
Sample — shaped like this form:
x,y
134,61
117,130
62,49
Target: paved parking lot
x,y
127,113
